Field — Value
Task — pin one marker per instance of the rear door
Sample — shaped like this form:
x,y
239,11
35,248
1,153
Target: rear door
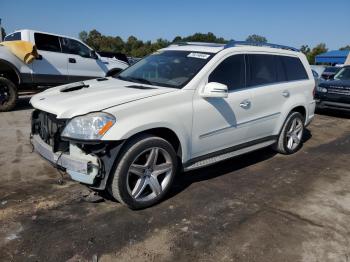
x,y
274,80
51,67
267,80
82,63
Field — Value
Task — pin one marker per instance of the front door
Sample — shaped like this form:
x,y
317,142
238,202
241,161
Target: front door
x,y
220,123
82,64
51,66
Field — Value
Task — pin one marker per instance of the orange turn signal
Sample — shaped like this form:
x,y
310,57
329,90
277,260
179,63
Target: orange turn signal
x,y
105,128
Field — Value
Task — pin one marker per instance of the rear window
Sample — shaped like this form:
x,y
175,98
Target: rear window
x,y
47,42
294,68
13,37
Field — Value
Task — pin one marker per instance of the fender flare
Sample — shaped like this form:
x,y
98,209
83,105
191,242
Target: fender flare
x,y
14,68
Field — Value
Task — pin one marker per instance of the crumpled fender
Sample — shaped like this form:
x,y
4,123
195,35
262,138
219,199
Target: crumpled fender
x,y
24,50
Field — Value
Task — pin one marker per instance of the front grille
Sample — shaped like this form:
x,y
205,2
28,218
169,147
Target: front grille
x,y
340,91
49,128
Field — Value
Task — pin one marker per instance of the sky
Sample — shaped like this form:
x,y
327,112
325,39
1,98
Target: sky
x,y
293,23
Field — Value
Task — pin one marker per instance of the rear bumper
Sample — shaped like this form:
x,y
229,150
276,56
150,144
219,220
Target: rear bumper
x,y
311,113
79,169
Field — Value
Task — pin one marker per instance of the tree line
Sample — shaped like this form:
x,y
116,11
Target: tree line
x,y
137,48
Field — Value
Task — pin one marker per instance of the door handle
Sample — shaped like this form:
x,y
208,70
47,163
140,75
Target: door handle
x,y
245,104
285,93
72,60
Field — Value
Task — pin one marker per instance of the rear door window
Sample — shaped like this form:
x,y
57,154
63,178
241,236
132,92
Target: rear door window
x,y
264,70
13,37
294,68
46,42
230,72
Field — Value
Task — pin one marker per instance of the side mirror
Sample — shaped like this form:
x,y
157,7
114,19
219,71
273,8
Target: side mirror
x,y
214,89
93,54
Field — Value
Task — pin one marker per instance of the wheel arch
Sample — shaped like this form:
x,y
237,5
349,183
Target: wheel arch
x,y
10,71
300,108
165,133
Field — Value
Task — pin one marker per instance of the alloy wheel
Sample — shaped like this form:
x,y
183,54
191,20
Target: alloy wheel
x,y
149,174
295,134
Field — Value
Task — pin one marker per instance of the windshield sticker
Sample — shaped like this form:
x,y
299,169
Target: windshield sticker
x,y
198,55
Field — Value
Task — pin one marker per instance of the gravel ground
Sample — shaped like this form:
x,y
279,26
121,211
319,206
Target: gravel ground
x,y
258,207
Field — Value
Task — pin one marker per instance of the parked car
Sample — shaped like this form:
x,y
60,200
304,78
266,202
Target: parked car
x,y
61,60
335,94
330,72
184,107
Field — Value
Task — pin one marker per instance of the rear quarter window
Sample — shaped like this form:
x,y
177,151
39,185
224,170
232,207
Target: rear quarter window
x,y
294,68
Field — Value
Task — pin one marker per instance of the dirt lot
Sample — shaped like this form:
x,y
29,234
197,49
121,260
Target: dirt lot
x,y
257,207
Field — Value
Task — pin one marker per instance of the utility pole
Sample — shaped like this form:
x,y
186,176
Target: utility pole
x,y
0,31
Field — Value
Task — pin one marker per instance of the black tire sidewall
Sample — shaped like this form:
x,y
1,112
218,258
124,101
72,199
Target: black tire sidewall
x,y
127,157
9,105
288,124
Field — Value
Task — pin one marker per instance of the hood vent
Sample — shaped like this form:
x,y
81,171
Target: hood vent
x,y
141,87
74,87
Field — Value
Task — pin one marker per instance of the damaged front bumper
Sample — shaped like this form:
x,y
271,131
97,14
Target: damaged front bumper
x,y
83,168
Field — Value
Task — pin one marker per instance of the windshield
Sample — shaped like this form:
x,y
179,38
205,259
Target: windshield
x,y
331,69
166,68
343,74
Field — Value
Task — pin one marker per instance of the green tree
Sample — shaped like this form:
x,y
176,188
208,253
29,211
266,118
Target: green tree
x,y
83,36
319,49
305,49
199,37
138,48
347,47
256,39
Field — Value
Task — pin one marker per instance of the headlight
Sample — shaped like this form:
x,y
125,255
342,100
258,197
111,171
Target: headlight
x,y
89,127
322,89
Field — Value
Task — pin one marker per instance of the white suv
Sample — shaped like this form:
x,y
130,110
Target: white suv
x,y
186,106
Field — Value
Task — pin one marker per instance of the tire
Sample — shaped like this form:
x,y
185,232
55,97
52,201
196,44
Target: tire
x,y
292,130
138,181
8,95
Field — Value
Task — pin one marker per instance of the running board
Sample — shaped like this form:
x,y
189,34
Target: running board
x,y
228,155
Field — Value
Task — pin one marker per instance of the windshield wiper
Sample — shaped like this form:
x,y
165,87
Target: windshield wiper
x,y
145,81
141,80
136,79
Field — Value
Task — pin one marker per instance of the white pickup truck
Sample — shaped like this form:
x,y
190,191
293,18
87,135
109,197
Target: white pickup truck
x,y
61,60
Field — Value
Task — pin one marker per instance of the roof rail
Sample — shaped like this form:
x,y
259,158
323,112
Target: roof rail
x,y
199,44
238,43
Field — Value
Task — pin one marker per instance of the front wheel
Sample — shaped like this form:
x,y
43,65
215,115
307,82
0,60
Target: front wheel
x,y
290,138
144,172
8,95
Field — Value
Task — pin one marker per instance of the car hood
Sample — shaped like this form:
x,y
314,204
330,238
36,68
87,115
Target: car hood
x,y
81,98
335,83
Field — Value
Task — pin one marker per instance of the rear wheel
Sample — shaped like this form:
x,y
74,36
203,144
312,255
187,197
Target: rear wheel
x,y
144,172
290,138
8,94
